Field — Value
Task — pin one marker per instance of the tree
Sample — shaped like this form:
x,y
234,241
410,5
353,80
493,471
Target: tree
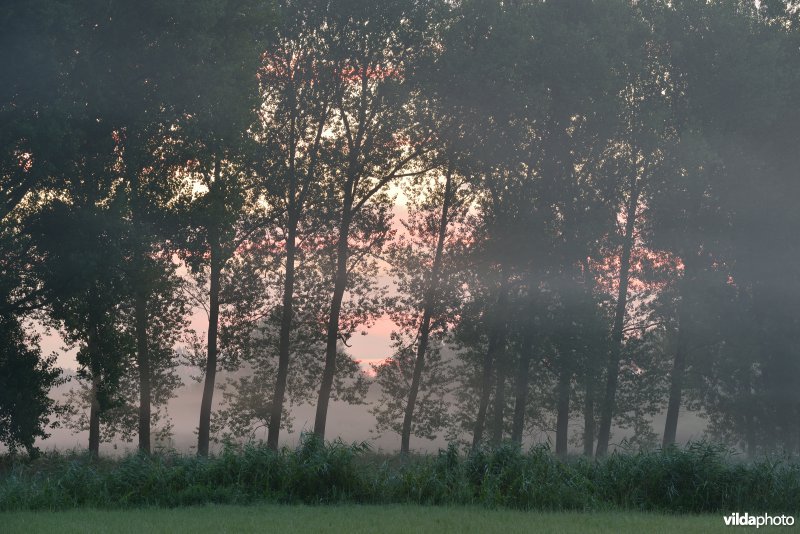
x,y
711,113
640,144
80,243
252,332
547,199
217,95
35,113
25,380
297,90
425,266
166,312
372,49
745,381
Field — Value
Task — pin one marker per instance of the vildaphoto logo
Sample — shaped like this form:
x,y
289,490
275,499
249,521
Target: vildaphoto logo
x,y
765,520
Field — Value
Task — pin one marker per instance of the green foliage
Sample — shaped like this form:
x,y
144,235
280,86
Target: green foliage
x,y
25,379
701,478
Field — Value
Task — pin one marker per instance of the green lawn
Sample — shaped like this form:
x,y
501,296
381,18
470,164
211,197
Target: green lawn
x,y
351,519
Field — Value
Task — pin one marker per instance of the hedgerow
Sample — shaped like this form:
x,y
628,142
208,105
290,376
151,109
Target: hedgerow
x,y
698,478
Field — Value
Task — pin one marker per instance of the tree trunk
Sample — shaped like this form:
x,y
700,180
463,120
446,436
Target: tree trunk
x,y
94,422
141,319
204,429
94,366
143,358
521,394
681,352
416,379
340,284
276,410
612,369
588,416
496,341
562,410
427,314
676,378
499,396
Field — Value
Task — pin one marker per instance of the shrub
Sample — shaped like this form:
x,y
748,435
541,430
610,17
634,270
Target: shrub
x,y
700,478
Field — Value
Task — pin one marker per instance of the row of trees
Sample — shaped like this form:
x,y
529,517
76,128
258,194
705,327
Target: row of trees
x,y
599,214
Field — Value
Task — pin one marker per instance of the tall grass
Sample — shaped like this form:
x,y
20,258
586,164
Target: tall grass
x,y
699,478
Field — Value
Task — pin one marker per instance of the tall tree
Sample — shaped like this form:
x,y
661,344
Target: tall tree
x,y
217,95
643,130
81,243
424,264
372,51
297,88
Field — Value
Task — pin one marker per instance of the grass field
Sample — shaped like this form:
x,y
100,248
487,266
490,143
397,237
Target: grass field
x,y
352,519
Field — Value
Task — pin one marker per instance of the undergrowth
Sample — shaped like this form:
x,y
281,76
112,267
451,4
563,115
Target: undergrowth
x,y
699,478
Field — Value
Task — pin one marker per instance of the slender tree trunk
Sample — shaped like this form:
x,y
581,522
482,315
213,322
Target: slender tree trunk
x,y
690,264
94,422
562,410
416,380
204,429
427,314
141,318
496,341
94,406
486,381
285,333
143,358
588,416
521,394
681,353
612,369
676,377
216,263
499,396
340,284
296,202
276,408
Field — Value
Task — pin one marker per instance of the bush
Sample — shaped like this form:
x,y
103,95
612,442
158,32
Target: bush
x,y
700,478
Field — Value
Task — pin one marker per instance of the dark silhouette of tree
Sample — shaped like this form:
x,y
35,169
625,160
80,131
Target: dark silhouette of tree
x,y
425,264
25,379
371,46
217,93
298,88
